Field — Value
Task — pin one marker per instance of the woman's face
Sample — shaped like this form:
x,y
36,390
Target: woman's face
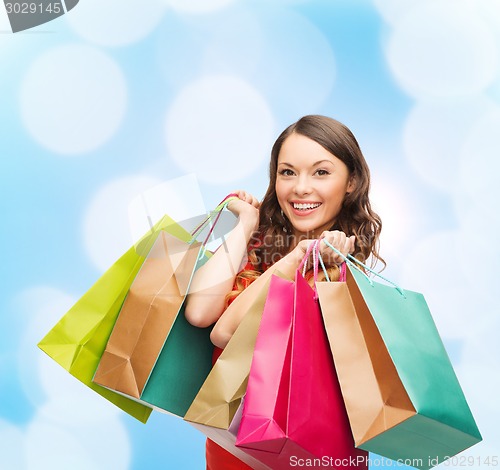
x,y
311,184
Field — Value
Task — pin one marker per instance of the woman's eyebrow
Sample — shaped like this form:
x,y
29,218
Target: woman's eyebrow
x,y
314,164
323,161
287,164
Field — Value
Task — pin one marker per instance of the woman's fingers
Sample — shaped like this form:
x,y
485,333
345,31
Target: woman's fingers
x,y
245,206
252,200
341,242
247,197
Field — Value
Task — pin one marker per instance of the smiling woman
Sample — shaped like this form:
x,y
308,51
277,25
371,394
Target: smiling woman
x,y
319,184
310,185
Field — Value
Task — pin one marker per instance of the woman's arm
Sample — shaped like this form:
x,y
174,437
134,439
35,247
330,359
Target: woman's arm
x,y
215,279
231,318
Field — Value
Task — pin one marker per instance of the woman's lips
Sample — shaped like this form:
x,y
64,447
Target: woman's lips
x,y
302,209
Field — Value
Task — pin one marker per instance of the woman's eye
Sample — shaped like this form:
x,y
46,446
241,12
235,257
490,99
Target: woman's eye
x,y
322,172
286,172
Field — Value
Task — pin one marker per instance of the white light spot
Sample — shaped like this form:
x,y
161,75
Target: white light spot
x,y
106,225
480,226
480,385
433,268
42,307
434,135
11,446
197,6
73,99
393,10
489,10
220,128
81,446
484,347
443,48
116,22
398,212
179,198
297,68
480,162
227,51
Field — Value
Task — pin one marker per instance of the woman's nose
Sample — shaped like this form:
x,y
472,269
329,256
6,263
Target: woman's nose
x,y
302,185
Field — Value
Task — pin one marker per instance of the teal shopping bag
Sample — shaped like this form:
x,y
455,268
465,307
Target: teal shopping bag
x,y
403,398
181,369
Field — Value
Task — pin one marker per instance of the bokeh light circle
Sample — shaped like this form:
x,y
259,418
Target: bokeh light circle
x,y
106,225
442,49
220,128
116,22
73,99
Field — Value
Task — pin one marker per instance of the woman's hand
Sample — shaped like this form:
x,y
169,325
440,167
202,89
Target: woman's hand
x,y
246,207
339,240
211,283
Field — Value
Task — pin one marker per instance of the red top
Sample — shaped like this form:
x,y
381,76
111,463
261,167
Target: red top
x,y
217,457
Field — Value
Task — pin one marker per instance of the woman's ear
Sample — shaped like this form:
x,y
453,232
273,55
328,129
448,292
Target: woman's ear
x,y
351,185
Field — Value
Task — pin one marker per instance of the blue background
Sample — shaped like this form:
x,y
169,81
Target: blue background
x,y
113,99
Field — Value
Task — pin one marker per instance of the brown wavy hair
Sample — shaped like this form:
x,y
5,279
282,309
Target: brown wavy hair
x,y
274,237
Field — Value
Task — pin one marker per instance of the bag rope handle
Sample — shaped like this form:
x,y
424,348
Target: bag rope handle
x,y
351,261
213,215
313,249
303,264
342,268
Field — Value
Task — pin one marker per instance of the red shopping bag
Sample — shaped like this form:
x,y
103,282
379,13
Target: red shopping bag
x,y
293,410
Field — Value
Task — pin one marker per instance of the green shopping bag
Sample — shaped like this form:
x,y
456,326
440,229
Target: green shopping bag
x,y
402,396
78,340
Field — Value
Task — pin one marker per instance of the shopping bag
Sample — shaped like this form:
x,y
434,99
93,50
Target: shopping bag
x,y
78,340
146,317
401,394
293,405
214,411
153,354
220,395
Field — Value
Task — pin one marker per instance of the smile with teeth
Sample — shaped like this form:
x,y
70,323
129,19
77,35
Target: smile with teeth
x,y
305,207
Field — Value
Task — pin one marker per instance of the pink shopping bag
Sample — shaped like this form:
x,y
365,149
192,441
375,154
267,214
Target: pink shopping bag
x,y
293,411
